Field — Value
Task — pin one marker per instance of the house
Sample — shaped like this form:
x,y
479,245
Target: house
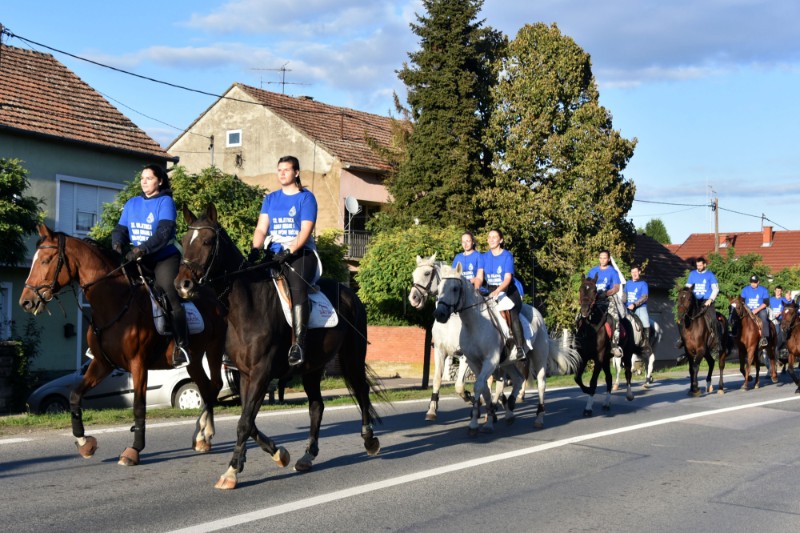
x,y
79,151
662,270
247,130
778,249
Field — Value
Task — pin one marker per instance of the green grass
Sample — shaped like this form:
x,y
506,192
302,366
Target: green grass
x,y
24,423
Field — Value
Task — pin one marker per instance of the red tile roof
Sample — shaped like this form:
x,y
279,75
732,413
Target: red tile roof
x,y
342,131
783,248
40,96
663,267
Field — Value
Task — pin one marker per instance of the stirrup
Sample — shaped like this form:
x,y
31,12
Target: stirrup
x,y
180,356
763,343
679,343
295,355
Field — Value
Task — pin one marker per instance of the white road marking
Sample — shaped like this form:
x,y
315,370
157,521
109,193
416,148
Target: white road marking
x,y
14,440
268,512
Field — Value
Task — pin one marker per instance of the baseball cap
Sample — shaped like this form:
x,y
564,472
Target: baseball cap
x,y
753,279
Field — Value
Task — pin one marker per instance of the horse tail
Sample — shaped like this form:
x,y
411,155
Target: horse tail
x,y
359,377
563,357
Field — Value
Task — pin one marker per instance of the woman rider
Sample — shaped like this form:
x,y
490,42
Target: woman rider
x,y
289,215
148,223
470,259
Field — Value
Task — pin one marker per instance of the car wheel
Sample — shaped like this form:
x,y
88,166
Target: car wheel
x,y
188,397
54,405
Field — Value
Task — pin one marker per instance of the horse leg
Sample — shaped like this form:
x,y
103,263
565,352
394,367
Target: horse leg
x,y
710,361
516,384
694,370
311,384
209,390
773,361
525,371
587,410
607,373
618,370
97,371
648,380
721,385
130,455
438,369
279,454
541,382
629,376
461,379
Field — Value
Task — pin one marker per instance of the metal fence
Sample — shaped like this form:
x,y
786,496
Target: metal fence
x,y
356,242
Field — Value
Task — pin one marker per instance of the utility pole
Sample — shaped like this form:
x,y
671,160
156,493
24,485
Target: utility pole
x,y
715,209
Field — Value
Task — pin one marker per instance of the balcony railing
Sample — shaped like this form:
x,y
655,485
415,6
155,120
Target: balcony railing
x,y
356,242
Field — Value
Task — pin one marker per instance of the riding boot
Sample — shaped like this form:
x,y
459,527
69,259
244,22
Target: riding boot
x,y
679,342
180,332
646,349
714,339
300,326
616,351
519,338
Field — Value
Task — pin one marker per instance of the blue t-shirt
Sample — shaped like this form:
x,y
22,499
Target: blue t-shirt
x,y
754,297
286,213
703,282
495,267
606,277
141,216
776,304
469,263
636,290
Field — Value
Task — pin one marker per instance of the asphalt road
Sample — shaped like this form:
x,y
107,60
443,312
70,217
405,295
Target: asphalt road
x,y
664,462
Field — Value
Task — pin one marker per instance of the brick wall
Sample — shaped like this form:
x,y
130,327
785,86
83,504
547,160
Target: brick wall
x,y
393,344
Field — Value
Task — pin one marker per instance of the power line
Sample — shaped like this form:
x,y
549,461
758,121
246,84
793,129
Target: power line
x,y
672,203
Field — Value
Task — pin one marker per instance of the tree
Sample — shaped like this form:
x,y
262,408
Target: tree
x,y
656,229
19,214
448,84
384,278
557,191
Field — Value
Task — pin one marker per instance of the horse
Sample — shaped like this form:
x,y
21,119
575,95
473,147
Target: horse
x,y
696,340
259,338
593,338
122,333
747,335
445,335
789,323
655,338
480,340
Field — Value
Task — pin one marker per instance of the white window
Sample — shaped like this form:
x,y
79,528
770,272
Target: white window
x,y
233,138
5,310
80,203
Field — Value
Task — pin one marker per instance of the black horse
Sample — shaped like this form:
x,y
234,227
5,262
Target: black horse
x,y
593,338
259,337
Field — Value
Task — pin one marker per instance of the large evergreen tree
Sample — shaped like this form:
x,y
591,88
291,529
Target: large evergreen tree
x,y
448,82
558,191
656,229
19,214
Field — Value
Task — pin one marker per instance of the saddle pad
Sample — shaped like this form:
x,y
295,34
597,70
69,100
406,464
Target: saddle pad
x,y
321,313
193,318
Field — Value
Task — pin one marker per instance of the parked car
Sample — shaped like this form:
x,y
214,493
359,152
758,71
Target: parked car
x,y
165,388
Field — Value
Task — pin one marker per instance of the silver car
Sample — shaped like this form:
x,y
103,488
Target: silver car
x,y
165,388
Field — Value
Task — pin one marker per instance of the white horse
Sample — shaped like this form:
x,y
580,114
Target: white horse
x,y
445,335
655,338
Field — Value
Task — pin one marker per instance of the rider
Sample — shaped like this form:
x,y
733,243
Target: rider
x,y
148,223
638,292
470,259
608,284
756,299
289,215
706,288
776,304
497,269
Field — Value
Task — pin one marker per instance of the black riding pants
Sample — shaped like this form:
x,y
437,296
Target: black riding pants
x,y
165,272
300,271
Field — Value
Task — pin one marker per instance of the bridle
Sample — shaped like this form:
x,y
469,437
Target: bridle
x,y
792,323
426,289
682,315
62,261
204,269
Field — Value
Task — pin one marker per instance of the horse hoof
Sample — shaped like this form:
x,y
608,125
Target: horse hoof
x,y
90,446
694,393
797,391
373,446
305,463
540,425
629,397
615,387
486,429
281,457
201,446
774,380
510,420
225,483
430,417
587,412
472,432
645,386
606,408
720,391
130,457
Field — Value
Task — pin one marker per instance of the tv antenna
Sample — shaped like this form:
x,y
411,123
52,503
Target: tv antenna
x,y
283,70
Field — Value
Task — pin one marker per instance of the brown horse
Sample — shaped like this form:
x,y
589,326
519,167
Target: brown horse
x,y
259,338
122,332
593,340
697,340
789,324
747,334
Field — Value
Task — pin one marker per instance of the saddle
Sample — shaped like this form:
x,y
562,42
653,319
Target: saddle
x,y
162,318
321,313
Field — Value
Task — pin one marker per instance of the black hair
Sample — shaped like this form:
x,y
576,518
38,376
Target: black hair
x,y
604,251
295,166
778,287
500,233
160,173
701,258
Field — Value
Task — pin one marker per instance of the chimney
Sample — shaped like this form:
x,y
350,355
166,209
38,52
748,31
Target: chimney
x,y
766,236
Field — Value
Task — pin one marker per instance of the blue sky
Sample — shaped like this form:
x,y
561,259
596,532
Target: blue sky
x,y
706,86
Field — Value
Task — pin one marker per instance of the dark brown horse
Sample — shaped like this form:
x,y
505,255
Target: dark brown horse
x,y
122,333
789,325
259,338
593,339
747,334
696,337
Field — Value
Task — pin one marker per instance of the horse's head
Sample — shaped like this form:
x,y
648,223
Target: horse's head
x,y
49,273
426,281
200,251
788,317
686,301
450,298
738,308
587,296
